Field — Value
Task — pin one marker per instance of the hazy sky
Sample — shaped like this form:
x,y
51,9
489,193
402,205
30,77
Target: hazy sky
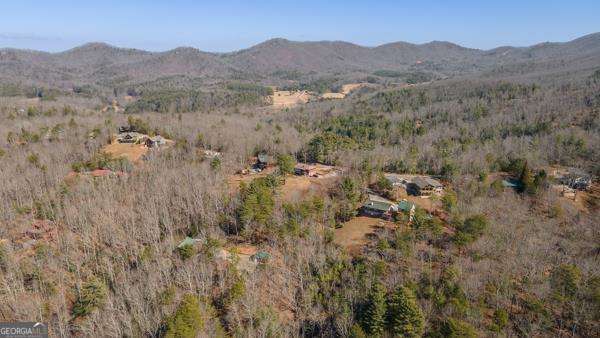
x,y
231,25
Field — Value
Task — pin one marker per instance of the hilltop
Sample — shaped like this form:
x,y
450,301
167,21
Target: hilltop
x,y
278,60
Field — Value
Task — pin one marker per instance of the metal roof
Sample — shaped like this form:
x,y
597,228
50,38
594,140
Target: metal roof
x,y
423,182
378,205
405,205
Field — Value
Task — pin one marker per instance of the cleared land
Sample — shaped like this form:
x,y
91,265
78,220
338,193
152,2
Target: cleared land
x,y
234,180
300,187
284,98
333,96
132,152
354,234
295,188
347,88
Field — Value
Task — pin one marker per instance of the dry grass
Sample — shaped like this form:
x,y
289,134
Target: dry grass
x,y
347,88
354,234
333,96
297,188
284,98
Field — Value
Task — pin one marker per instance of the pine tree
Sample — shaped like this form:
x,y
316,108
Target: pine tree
x,y
187,320
525,179
374,316
405,315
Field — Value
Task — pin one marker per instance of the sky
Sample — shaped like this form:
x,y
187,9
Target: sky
x,y
223,26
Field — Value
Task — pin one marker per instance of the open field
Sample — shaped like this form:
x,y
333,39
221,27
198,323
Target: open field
x,y
354,234
349,87
131,151
333,96
295,187
301,187
289,98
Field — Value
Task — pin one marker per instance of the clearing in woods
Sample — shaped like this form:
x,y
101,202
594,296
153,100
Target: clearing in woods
x,y
284,98
295,188
354,234
234,180
131,151
333,96
347,88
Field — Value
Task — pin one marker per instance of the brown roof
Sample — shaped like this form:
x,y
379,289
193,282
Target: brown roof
x,y
423,182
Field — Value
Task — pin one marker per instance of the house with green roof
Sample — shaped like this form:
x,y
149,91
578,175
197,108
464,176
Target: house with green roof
x,y
378,207
408,208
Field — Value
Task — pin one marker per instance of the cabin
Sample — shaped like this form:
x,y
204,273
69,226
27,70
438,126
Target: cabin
x,y
576,179
262,161
425,187
127,129
303,169
129,137
210,154
378,207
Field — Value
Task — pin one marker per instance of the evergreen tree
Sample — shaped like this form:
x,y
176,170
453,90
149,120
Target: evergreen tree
x,y
405,315
187,320
286,164
525,179
373,320
384,186
457,328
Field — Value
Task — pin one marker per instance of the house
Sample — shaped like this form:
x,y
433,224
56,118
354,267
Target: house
x,y
511,183
127,129
262,161
303,169
378,207
425,186
408,208
158,140
210,154
576,179
129,137
260,257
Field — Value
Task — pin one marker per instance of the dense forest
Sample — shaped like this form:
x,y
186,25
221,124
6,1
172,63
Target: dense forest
x,y
112,256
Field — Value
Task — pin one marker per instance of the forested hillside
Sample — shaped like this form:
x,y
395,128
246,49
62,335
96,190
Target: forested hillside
x,y
214,229
105,68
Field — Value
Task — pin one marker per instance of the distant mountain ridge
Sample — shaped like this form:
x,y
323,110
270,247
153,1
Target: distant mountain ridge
x,y
103,65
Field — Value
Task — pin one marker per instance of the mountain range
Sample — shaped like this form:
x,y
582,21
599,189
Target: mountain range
x,y
104,66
